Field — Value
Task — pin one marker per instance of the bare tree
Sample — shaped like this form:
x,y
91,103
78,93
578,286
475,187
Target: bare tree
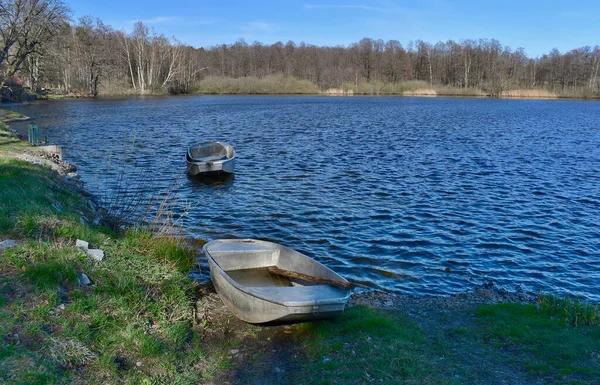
x,y
25,25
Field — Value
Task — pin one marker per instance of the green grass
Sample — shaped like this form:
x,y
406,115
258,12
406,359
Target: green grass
x,y
6,114
134,324
8,142
542,342
34,202
368,346
572,310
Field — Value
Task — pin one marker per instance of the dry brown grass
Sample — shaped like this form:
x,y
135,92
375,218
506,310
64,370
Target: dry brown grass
x,y
455,91
421,92
268,85
338,92
69,352
528,94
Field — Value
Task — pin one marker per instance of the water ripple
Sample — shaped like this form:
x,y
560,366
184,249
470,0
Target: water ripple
x,y
422,196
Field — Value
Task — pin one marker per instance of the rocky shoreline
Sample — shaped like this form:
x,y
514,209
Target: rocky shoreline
x,y
415,304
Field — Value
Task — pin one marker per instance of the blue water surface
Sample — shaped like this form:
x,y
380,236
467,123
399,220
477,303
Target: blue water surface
x,y
411,195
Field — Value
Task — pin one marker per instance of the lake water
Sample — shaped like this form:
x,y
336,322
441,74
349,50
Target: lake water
x,y
412,195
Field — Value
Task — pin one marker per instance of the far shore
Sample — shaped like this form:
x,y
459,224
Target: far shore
x,y
407,94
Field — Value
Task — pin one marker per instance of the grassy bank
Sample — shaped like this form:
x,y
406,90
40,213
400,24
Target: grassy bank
x,y
7,116
140,320
489,344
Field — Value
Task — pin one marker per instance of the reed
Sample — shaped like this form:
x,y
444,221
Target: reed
x,y
408,88
460,92
528,94
269,85
421,92
134,200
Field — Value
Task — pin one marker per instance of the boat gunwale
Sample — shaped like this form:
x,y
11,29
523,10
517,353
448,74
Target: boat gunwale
x,y
191,160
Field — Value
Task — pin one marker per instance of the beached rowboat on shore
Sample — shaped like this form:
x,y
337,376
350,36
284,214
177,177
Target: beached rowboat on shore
x,y
263,282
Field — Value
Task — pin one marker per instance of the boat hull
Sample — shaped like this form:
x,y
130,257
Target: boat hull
x,y
211,168
210,158
266,303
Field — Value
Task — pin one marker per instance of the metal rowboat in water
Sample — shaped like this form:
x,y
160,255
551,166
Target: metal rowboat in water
x,y
241,271
210,158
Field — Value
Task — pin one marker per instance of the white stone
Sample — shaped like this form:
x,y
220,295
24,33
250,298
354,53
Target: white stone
x,y
82,245
97,254
7,244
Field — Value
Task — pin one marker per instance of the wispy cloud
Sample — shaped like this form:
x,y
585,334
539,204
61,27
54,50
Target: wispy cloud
x,y
345,6
257,26
260,26
172,20
158,20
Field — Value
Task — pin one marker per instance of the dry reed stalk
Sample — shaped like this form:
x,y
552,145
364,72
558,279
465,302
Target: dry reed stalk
x,y
528,94
420,92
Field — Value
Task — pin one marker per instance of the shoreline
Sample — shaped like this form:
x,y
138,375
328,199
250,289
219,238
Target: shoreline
x,y
407,94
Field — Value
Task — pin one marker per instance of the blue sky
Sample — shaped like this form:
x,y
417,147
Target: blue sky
x,y
536,25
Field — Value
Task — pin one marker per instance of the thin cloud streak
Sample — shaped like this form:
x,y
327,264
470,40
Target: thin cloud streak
x,y
260,26
347,6
157,20
167,20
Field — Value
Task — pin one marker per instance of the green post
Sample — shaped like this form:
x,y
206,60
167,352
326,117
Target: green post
x,y
34,133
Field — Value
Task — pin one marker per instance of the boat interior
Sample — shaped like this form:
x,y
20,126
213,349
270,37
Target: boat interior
x,y
246,263
209,152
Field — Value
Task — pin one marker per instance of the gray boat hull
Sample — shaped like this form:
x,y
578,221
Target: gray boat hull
x,y
210,158
238,272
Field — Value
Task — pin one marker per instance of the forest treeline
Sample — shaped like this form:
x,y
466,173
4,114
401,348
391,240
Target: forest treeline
x,y
42,50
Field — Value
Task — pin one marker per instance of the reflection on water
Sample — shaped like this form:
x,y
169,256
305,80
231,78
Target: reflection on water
x,y
422,196
211,181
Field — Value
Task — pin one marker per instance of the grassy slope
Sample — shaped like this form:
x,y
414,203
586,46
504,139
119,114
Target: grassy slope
x,y
136,323
8,115
506,343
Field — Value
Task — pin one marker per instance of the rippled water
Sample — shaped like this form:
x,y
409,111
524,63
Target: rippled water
x,y
414,195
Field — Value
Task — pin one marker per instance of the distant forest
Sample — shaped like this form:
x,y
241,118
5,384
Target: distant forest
x,y
42,51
